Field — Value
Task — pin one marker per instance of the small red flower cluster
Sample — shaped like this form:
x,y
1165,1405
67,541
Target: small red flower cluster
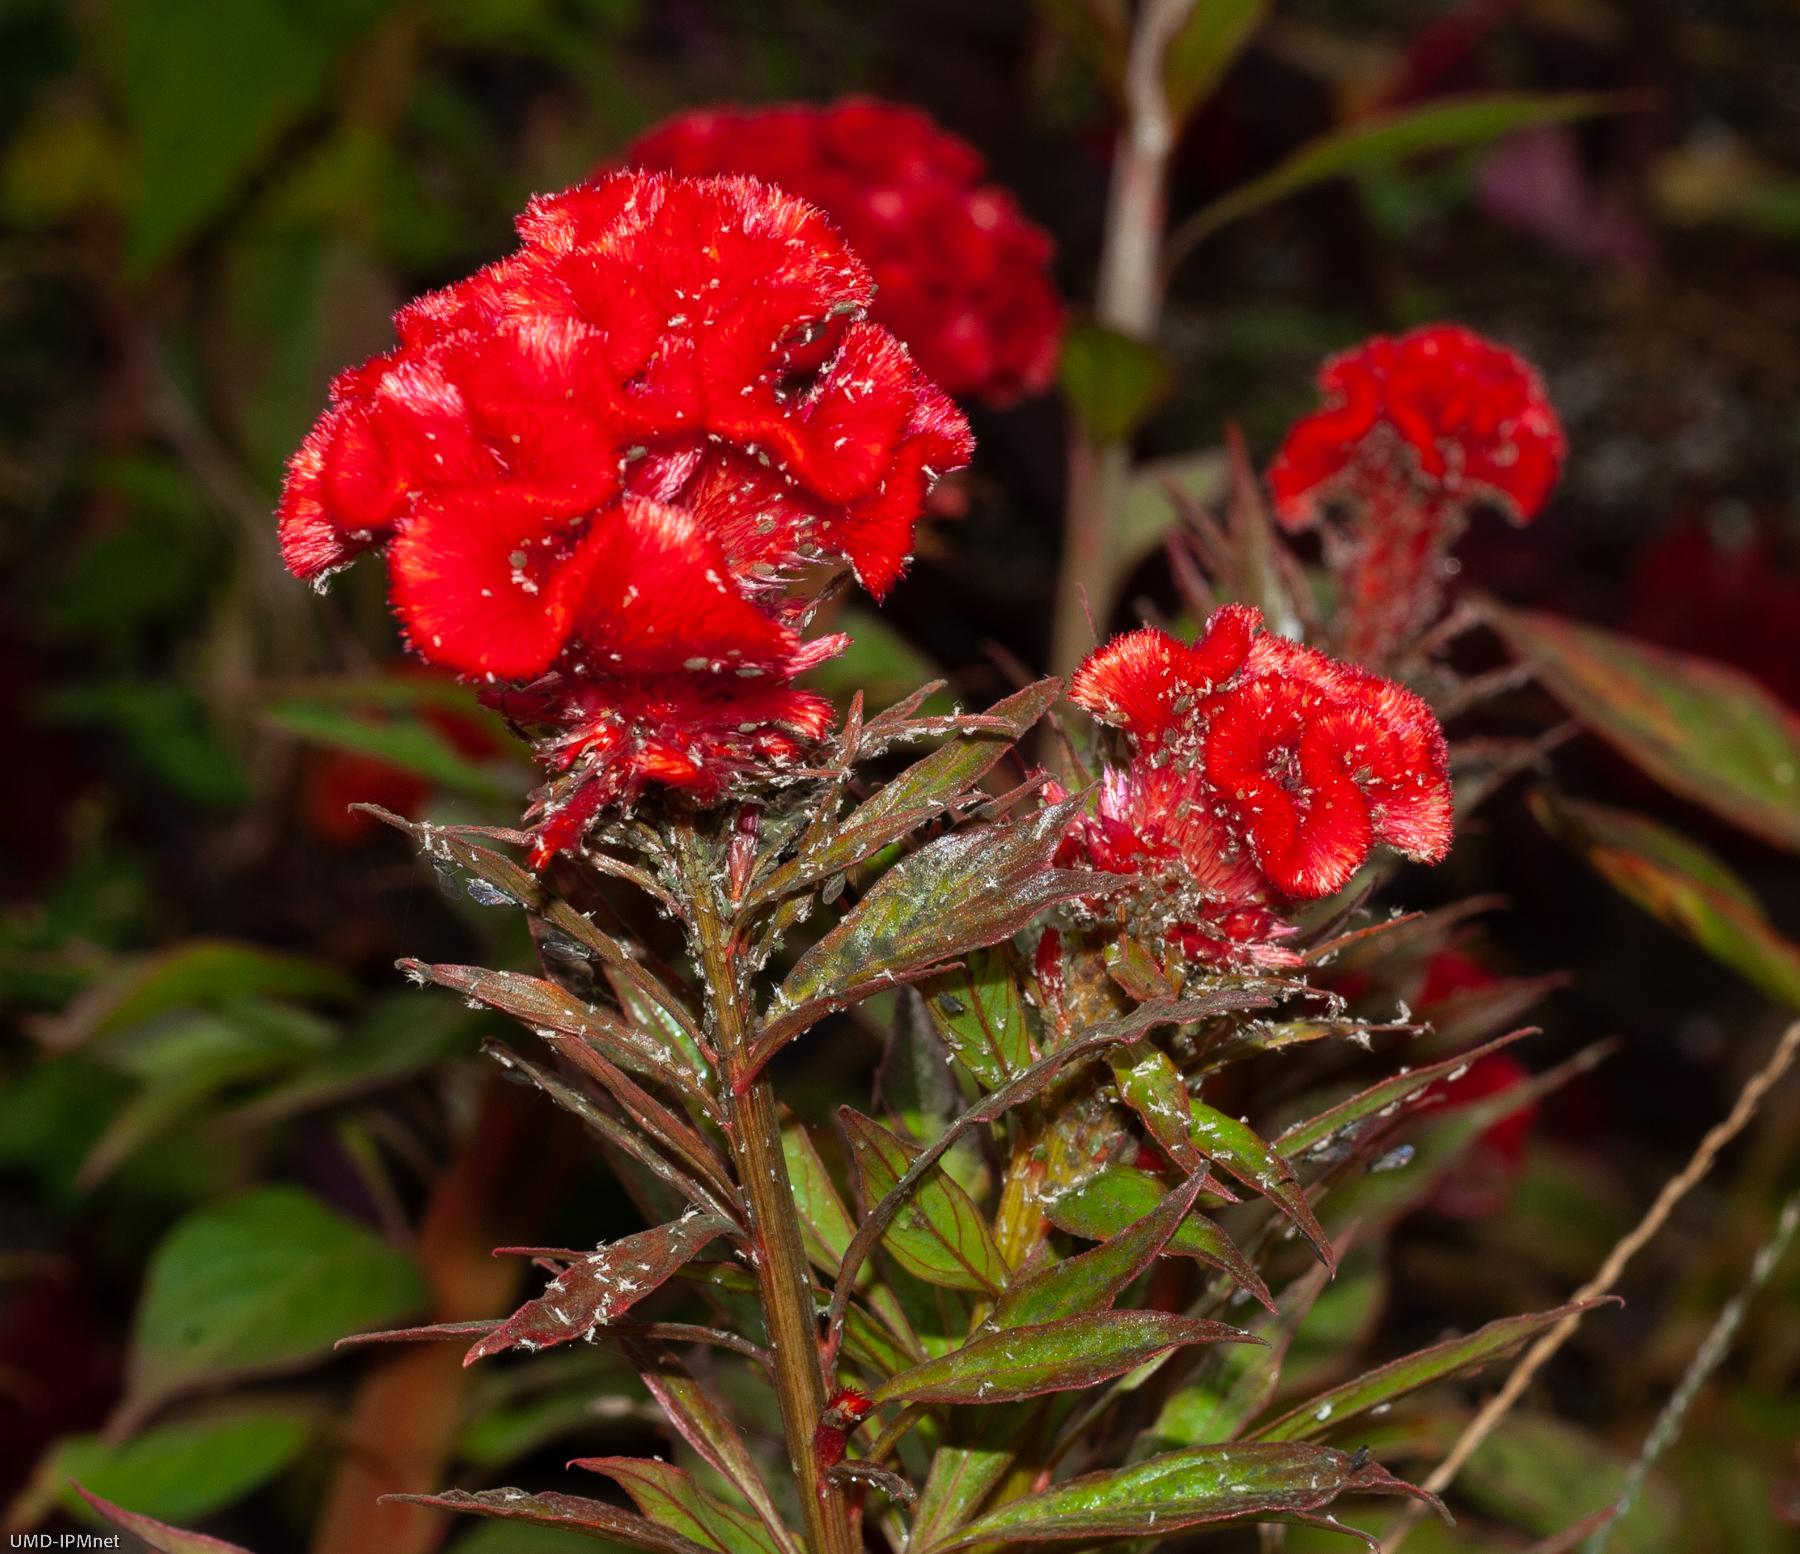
x,y
963,276
1261,772
1414,431
597,466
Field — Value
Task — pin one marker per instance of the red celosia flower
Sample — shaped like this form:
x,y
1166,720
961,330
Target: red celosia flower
x,y
963,276
1261,771
1414,431
596,466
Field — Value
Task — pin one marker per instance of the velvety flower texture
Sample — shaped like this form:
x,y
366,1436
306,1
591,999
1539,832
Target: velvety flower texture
x,y
1261,772
597,466
963,277
1415,430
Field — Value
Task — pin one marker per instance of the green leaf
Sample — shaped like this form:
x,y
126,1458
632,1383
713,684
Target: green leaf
x,y
1117,1197
668,1496
939,1235
205,974
1441,124
980,1013
1708,732
961,892
1198,1487
1203,50
263,63
184,1471
824,1221
1112,380
553,1510
1243,1154
1328,1410
1151,1085
157,1536
1237,1383
1093,1280
1151,506
409,743
257,1283
1681,884
1025,1362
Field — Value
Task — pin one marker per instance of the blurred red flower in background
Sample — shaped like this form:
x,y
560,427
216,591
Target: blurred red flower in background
x,y
1261,771
1415,431
963,276
598,466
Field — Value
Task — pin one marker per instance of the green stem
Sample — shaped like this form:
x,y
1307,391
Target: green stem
x,y
777,1250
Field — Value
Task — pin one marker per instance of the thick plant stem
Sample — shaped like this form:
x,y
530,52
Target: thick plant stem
x,y
1128,298
779,1254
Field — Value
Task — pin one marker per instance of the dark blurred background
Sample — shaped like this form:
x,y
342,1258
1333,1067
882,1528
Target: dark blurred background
x,y
210,206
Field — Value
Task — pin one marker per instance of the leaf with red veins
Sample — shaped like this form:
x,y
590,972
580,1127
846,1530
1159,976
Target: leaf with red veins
x,y
487,582
662,599
587,1295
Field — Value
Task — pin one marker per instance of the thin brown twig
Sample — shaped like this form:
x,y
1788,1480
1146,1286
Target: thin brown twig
x,y
1534,1359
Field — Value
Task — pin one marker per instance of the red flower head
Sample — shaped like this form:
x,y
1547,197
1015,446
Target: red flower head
x,y
595,467
1262,771
1414,431
963,277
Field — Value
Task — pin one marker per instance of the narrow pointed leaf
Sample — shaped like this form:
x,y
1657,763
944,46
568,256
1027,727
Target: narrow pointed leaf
x,y
940,1236
1386,1382
1241,1153
589,1294
824,1221
1238,1383
980,1013
555,1014
1339,1126
669,1496
1199,1487
158,1536
920,793
434,1332
1024,1362
1682,885
1151,1085
1203,49
1708,731
961,892
1113,1199
696,1415
1093,1280
1441,124
556,1510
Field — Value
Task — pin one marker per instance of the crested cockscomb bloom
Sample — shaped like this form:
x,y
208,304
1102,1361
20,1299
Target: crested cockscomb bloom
x,y
1261,772
963,277
1415,431
597,467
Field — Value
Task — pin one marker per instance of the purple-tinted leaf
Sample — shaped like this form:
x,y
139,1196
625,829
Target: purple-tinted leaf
x,y
1238,1150
436,1331
155,1535
1380,1103
980,1013
940,1236
1203,1486
1025,1362
925,790
696,1415
1093,1280
961,892
1473,1014
1709,732
589,1294
1113,1199
557,1015
668,1496
1397,1378
555,1510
